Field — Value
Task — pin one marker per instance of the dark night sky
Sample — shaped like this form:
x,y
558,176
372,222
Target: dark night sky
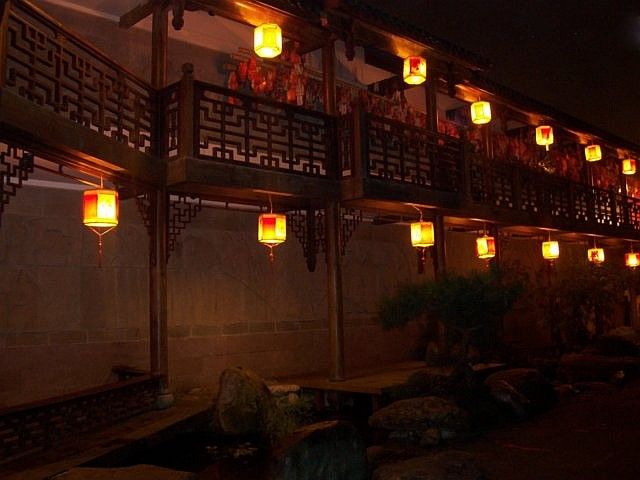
x,y
580,56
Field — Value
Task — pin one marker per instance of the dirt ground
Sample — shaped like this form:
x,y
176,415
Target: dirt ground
x,y
592,436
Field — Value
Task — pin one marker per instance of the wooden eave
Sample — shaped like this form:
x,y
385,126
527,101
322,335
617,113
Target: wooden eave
x,y
297,26
536,112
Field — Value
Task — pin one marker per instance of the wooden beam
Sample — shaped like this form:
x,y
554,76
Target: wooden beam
x,y
254,13
5,7
139,13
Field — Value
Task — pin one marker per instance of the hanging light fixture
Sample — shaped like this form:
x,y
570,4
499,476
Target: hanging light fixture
x,y
272,229
632,259
595,255
593,153
544,136
415,70
629,166
485,246
422,236
550,249
480,112
100,212
267,40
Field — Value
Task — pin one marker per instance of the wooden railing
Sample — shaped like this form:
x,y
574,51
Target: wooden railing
x,y
384,149
52,67
378,149
212,123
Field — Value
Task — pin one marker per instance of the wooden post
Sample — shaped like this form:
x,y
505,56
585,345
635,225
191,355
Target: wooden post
x,y
158,336
5,8
431,94
186,100
439,250
332,235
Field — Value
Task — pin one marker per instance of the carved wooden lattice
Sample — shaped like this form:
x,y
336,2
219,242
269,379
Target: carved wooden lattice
x,y
51,67
181,212
238,129
145,206
171,112
403,153
15,167
311,233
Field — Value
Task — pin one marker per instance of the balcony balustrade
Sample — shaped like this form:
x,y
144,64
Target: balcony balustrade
x,y
284,146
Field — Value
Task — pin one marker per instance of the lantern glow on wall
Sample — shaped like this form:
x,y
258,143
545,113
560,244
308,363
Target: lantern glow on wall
x,y
100,212
415,70
486,247
629,166
267,40
544,136
593,153
550,250
480,113
272,230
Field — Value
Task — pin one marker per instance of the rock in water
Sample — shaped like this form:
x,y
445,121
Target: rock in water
x,y
243,403
419,415
322,451
524,390
137,472
447,465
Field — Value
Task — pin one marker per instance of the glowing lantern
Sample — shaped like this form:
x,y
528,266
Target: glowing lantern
x,y
481,113
422,234
595,255
100,208
272,230
544,136
632,259
629,166
550,250
593,153
486,247
415,70
267,40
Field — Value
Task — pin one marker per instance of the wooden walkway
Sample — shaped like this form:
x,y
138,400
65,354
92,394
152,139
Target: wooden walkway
x,y
370,382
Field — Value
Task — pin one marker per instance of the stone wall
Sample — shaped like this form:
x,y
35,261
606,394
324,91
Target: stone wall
x,y
64,321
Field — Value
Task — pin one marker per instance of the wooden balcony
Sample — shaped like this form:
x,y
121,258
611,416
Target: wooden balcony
x,y
386,164
66,101
62,98
223,143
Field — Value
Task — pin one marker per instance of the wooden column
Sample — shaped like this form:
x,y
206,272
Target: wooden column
x,y
332,234
439,249
5,7
431,94
158,337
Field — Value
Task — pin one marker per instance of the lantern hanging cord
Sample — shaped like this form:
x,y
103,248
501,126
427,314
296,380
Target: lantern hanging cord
x,y
419,210
270,204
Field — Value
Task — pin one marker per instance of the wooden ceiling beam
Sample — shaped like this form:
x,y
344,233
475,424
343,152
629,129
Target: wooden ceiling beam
x,y
139,13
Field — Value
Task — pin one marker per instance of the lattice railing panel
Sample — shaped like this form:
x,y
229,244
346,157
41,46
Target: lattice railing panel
x,y
531,195
402,153
558,199
603,207
255,132
54,69
171,112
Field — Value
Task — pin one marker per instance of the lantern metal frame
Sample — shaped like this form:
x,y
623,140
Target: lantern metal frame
x,y
544,140
267,51
480,112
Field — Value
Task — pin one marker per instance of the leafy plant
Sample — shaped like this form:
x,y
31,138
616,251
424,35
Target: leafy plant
x,y
470,306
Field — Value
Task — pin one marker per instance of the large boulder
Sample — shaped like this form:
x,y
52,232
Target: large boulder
x,y
522,390
446,465
331,450
619,342
576,367
137,472
244,403
419,415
